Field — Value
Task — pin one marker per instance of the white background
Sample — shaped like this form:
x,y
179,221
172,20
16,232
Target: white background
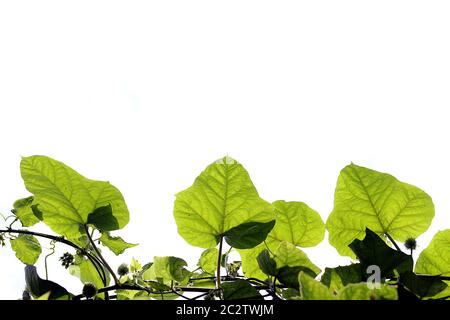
x,y
145,94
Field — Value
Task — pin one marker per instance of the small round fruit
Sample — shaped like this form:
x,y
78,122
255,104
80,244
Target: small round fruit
x,y
122,270
89,290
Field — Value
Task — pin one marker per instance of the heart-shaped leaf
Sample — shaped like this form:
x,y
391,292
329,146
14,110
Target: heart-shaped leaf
x,y
221,198
66,198
367,198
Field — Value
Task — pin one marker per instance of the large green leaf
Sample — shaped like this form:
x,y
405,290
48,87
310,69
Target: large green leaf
x,y
374,251
208,260
115,244
367,198
27,248
26,211
66,198
435,259
297,223
221,198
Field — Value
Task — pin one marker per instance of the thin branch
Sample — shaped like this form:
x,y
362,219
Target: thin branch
x,y
200,296
393,242
105,264
219,258
60,239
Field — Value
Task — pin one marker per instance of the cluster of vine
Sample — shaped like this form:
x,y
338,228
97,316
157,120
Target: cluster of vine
x,y
223,213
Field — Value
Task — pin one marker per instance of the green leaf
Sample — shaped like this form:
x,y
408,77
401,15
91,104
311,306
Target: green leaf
x,y
170,268
39,287
435,259
289,275
239,289
135,266
66,198
311,289
103,219
86,271
285,254
27,248
221,198
249,234
266,263
339,277
288,255
374,251
115,244
422,286
360,291
297,223
208,260
26,211
367,198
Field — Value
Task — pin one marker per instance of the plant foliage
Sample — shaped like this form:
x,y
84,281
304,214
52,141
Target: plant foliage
x,y
223,213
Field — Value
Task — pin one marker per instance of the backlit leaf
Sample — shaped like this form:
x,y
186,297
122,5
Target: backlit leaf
x,y
23,209
66,198
208,260
221,198
435,259
311,289
115,244
27,248
365,198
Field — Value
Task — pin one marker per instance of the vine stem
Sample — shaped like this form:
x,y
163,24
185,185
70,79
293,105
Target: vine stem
x,y
105,264
52,243
60,239
393,241
219,258
140,288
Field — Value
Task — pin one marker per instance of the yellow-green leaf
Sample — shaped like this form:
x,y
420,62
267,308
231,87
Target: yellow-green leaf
x,y
435,259
115,244
365,198
26,212
311,289
208,260
222,197
66,198
297,223
361,291
27,248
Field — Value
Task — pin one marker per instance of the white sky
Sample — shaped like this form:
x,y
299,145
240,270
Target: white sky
x,y
145,94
